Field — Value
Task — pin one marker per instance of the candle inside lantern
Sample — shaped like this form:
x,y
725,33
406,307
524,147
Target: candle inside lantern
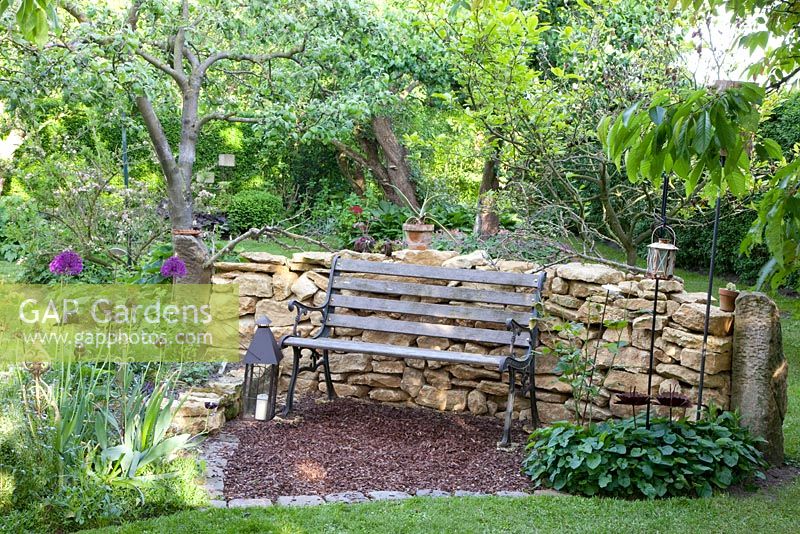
x,y
661,257
262,402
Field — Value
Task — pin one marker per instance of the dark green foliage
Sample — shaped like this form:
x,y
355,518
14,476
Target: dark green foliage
x,y
624,459
387,220
253,209
694,241
90,502
10,208
456,216
383,220
150,270
784,124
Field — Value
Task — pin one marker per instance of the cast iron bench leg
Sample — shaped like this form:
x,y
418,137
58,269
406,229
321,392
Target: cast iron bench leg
x,y
292,381
326,366
506,441
532,384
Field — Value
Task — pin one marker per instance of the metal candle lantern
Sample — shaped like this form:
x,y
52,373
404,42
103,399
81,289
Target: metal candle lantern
x,y
660,266
661,256
261,360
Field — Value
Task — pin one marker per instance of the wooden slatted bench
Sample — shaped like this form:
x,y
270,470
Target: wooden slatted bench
x,y
357,286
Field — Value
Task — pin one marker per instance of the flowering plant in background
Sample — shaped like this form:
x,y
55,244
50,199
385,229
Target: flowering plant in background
x,y
67,263
356,210
173,267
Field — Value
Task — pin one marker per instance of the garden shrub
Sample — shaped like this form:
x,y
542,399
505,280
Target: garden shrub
x,y
694,241
625,459
26,464
784,124
11,208
49,484
253,209
386,220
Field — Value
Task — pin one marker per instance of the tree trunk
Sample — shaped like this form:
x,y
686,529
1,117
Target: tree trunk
x,y
386,158
397,168
631,255
615,226
353,172
190,248
373,162
487,221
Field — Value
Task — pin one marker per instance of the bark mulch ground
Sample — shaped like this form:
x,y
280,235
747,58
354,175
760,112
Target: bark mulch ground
x,y
348,445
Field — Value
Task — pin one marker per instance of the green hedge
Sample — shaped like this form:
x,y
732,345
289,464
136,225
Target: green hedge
x,y
694,241
784,125
253,209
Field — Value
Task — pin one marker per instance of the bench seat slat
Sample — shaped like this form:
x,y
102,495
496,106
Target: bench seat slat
x,y
427,309
339,345
438,273
463,294
461,333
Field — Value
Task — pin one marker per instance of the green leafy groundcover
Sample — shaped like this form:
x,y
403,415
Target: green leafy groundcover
x,y
625,459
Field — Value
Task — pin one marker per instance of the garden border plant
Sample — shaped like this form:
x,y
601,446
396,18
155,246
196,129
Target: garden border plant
x,y
620,458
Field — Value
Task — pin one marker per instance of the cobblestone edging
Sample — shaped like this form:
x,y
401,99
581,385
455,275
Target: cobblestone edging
x,y
217,451
355,497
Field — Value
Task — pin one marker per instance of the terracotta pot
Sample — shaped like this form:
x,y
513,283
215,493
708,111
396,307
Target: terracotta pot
x,y
727,299
418,236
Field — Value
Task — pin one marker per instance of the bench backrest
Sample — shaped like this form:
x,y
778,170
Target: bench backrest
x,y
445,310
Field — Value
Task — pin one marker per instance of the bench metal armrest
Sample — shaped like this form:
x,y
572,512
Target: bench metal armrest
x,y
302,309
516,328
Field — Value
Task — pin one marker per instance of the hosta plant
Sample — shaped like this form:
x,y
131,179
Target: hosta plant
x,y
623,459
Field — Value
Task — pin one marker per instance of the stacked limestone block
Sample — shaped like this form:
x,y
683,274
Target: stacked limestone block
x,y
574,292
205,409
579,293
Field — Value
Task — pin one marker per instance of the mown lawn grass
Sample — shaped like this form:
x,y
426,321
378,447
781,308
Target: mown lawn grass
x,y
775,512
286,247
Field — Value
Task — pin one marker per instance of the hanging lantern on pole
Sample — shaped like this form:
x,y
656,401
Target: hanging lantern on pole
x,y
661,255
262,359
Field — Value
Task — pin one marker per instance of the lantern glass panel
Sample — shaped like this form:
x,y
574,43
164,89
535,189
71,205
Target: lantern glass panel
x,y
256,382
661,255
661,260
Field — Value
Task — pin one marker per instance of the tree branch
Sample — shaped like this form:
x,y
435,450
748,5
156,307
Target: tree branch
x,y
177,45
598,259
75,11
777,84
255,233
160,142
179,78
352,154
132,20
252,58
230,117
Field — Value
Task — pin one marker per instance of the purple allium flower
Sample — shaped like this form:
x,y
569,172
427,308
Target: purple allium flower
x,y
67,262
173,267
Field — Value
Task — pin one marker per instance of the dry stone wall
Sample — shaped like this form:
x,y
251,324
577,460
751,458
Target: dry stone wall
x,y
575,292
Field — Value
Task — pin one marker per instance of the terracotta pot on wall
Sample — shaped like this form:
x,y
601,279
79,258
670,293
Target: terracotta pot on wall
x,y
727,299
418,236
